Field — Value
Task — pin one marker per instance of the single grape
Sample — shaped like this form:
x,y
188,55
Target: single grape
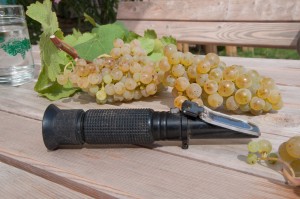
x,y
257,103
284,155
273,156
243,81
201,79
151,89
231,104
146,78
109,89
215,100
192,72
203,66
137,94
164,64
94,78
244,107
175,58
215,74
198,101
256,112
170,81
277,106
170,49
62,79
130,84
274,97
181,84
264,146
211,87
119,88
254,75
230,73
93,90
128,95
243,96
135,68
267,82
253,146
193,91
179,100
118,43
296,167
263,92
178,70
213,59
252,158
293,146
226,88
268,106
115,53
101,95
187,59
107,79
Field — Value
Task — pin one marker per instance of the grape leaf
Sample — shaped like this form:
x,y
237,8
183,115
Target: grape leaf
x,y
156,56
89,19
151,34
147,44
102,43
168,40
130,36
72,40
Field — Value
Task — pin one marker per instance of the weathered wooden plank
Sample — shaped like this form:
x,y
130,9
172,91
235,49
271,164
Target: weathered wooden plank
x,y
16,183
211,10
130,172
227,33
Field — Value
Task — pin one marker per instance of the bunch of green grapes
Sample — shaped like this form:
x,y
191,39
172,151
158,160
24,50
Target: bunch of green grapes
x,y
207,80
123,75
288,154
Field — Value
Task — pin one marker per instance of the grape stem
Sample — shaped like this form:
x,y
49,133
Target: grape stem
x,y
288,173
64,46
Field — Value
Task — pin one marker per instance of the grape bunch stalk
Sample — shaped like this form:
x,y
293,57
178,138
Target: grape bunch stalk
x,y
127,73
288,155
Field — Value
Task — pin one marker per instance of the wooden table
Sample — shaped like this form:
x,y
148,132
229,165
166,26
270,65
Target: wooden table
x,y
208,169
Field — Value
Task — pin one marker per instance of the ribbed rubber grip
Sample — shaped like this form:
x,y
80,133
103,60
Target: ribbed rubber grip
x,y
118,126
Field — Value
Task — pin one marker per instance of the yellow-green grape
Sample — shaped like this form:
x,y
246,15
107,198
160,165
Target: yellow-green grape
x,y
94,78
149,68
197,59
175,92
119,88
213,59
274,157
243,96
226,88
170,81
118,43
93,89
267,82
62,79
130,84
254,75
252,158
230,73
175,58
215,100
107,79
211,87
201,79
178,70
181,84
109,89
193,91
244,107
242,70
164,64
243,81
192,72
83,82
128,95
263,92
115,53
117,97
125,50
252,146
135,68
268,106
215,74
151,89
222,65
293,146
203,66
198,101
105,71
284,155
254,87
137,94
296,167
264,146
257,103
274,97
179,100
170,49
73,78
231,104
187,59
101,94
146,78
277,106
256,112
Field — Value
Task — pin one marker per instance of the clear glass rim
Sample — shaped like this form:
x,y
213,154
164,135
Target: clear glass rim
x,y
11,6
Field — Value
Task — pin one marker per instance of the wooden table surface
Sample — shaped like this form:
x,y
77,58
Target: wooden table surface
x,y
208,169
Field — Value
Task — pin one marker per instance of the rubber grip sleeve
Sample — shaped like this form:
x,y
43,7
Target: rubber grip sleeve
x,y
118,126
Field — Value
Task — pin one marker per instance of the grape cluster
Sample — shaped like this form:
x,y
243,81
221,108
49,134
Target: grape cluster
x,y
288,154
207,80
123,75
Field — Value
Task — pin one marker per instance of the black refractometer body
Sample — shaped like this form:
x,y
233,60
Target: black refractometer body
x,y
127,126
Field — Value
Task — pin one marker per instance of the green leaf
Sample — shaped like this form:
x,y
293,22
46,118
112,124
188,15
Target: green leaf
x,y
130,36
156,56
102,43
89,19
168,40
147,44
151,34
44,15
158,46
73,40
76,33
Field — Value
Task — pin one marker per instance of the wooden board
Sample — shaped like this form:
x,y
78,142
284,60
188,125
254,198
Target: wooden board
x,y
16,183
227,33
131,172
211,10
